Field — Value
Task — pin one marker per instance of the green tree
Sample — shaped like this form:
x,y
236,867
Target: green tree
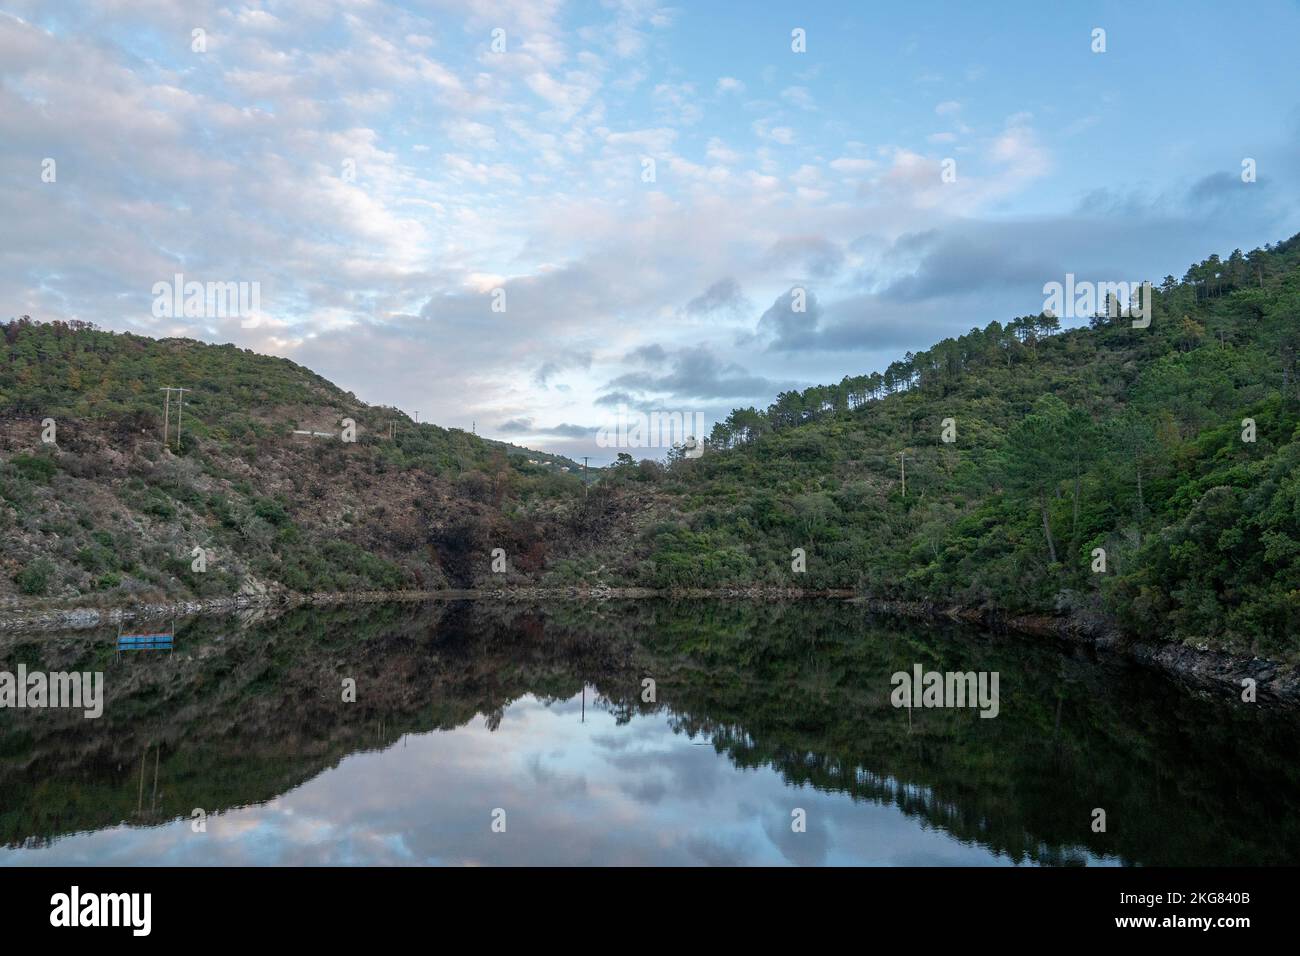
x,y
1036,460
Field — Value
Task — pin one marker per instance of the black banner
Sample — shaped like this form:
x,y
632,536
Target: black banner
x,y
334,906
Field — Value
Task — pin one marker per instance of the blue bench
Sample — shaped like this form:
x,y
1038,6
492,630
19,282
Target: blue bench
x,y
145,642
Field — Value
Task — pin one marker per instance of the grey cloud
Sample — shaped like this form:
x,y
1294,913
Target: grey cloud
x,y
812,256
616,398
786,329
942,281
1215,185
552,367
723,295
1224,194
959,263
569,431
697,374
648,355
526,426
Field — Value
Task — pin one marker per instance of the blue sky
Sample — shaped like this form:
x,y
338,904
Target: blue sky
x,y
522,170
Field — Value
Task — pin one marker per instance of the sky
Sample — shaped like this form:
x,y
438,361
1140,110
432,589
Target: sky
x,y
519,215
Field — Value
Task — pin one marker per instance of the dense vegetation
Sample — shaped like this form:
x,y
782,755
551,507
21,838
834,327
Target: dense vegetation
x,y
1113,437
1146,477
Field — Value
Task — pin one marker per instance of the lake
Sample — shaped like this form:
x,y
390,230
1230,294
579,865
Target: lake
x,y
628,732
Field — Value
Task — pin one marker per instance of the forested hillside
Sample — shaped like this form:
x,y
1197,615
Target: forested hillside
x,y
1143,477
1130,440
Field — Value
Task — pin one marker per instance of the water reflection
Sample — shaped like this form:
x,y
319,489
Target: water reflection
x,y
462,709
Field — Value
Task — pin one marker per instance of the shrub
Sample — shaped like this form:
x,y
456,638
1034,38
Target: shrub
x,y
35,578
34,469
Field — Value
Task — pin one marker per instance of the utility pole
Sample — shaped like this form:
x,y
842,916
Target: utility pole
x,y
902,470
167,411
167,408
180,411
584,475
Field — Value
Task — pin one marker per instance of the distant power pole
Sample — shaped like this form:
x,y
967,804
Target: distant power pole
x,y
902,470
584,475
180,412
167,407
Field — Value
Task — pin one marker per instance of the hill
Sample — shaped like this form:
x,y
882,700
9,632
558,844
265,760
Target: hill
x,y
1144,478
255,473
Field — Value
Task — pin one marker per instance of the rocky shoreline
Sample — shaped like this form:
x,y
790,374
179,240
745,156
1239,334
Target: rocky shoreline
x,y
1201,667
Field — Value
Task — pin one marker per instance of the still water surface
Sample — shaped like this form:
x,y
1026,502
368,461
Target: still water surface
x,y
465,710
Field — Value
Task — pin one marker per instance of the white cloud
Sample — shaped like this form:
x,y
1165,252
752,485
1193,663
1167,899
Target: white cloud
x,y
799,96
469,134
776,134
719,152
1018,148
852,165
